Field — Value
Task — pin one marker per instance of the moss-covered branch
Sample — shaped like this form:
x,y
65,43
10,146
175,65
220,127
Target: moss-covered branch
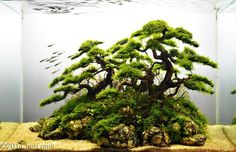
x,y
51,99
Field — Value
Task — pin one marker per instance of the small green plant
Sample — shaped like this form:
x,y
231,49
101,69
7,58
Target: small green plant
x,y
132,91
234,118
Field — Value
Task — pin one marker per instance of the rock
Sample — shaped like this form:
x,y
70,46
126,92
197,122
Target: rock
x,y
36,128
176,127
22,142
190,128
156,136
103,142
75,127
127,111
55,134
49,124
50,128
196,140
41,121
39,126
123,136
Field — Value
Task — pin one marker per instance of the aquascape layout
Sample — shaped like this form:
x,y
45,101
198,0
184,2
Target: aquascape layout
x,y
133,93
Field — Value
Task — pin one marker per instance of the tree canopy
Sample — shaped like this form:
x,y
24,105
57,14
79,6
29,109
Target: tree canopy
x,y
154,59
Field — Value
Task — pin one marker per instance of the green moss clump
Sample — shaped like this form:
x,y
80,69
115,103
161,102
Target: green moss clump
x,y
177,117
107,93
234,120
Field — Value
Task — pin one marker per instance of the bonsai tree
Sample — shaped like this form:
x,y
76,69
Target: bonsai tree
x,y
130,94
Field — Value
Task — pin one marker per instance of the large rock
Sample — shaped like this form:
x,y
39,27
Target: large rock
x,y
156,136
58,133
190,128
196,140
49,125
75,127
123,136
38,127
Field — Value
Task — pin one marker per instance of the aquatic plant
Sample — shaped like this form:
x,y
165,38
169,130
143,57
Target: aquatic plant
x,y
131,91
234,118
233,92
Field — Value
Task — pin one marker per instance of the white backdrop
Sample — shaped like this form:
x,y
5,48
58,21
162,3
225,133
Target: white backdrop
x,y
227,61
10,64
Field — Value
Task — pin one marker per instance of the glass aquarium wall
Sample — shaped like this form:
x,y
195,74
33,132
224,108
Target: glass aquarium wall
x,y
10,58
55,29
44,34
227,61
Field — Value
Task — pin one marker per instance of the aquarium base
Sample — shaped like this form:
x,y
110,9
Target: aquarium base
x,y
18,137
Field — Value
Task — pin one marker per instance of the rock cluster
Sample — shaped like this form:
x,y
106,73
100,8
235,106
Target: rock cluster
x,y
123,136
47,129
75,127
127,126
156,136
195,140
190,128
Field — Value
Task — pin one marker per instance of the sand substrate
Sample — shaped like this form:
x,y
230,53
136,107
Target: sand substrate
x,y
18,137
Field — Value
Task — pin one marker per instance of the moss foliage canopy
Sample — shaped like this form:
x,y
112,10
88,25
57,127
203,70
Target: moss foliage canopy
x,y
129,94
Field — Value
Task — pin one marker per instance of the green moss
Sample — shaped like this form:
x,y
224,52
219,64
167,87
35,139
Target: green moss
x,y
57,80
128,50
233,92
172,115
234,120
186,64
154,44
107,93
198,86
76,55
84,62
137,33
127,70
102,127
170,42
78,78
122,41
192,56
156,26
203,79
174,52
66,108
89,44
66,88
51,99
96,51
185,36
91,69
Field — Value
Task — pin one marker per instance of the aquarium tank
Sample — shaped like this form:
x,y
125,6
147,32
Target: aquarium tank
x,y
118,73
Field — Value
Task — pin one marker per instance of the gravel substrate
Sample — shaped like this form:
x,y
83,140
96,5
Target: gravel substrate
x,y
18,137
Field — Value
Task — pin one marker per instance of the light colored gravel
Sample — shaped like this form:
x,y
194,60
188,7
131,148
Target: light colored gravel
x,y
23,138
230,132
7,129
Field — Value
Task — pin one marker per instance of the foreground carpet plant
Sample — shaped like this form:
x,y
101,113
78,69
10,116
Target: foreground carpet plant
x,y
132,93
